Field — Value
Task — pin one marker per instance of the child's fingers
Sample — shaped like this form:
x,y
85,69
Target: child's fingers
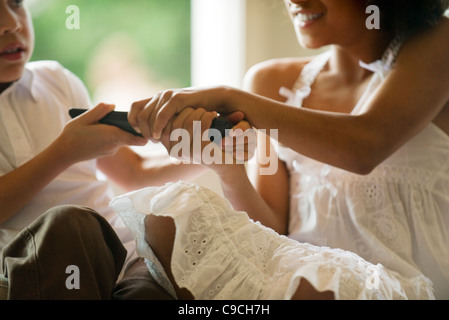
x,y
236,117
241,133
134,111
241,142
199,119
169,104
175,123
95,114
161,113
141,116
131,140
240,128
179,121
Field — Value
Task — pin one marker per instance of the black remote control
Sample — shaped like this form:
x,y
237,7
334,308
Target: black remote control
x,y
115,118
120,119
223,125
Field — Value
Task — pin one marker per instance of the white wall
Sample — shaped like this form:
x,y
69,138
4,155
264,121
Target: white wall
x,y
228,37
269,32
218,42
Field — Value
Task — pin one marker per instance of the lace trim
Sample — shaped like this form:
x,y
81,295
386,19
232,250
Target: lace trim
x,y
220,253
332,178
384,65
311,71
302,87
134,220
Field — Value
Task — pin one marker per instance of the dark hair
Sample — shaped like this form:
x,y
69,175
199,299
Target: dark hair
x,y
408,17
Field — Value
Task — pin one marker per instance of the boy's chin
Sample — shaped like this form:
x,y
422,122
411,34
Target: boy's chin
x,y
5,83
11,75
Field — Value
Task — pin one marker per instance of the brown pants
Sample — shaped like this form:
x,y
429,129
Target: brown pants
x,y
72,253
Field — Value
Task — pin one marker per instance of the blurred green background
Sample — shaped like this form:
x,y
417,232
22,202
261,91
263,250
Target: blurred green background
x,y
141,41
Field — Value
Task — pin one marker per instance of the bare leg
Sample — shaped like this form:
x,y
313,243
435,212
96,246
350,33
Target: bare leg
x,y
306,291
160,235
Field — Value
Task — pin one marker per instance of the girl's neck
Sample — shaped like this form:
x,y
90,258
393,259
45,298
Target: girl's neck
x,y
345,60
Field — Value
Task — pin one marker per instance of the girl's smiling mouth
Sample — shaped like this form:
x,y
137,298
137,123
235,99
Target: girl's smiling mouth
x,y
305,19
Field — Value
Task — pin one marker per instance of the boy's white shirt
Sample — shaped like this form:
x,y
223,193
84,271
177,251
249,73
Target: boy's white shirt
x,y
33,112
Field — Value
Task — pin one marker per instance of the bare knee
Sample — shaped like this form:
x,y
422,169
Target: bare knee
x,y
71,219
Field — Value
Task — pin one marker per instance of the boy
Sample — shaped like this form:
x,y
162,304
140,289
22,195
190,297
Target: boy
x,y
48,161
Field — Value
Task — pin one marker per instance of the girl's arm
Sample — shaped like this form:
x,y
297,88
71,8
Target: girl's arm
x,y
264,199
410,98
236,186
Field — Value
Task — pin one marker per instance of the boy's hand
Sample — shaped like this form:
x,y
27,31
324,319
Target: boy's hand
x,y
83,138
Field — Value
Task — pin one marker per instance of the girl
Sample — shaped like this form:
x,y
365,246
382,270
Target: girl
x,y
363,164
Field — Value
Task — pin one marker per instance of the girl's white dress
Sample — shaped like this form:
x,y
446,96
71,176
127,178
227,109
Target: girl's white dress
x,y
398,215
396,218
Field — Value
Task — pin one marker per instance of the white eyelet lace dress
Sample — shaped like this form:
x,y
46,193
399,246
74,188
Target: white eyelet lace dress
x,y
397,216
220,253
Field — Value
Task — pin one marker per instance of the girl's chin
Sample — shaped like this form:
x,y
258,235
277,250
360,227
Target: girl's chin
x,y
310,42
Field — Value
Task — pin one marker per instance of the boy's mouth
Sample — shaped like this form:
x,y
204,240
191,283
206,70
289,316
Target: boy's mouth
x,y
13,52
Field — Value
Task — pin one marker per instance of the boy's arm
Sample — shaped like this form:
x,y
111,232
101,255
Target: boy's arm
x,y
18,187
82,139
131,170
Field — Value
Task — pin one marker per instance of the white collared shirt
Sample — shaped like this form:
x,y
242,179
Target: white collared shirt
x,y
33,112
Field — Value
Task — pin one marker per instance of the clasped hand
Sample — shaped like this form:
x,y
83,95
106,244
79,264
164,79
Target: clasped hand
x,y
170,118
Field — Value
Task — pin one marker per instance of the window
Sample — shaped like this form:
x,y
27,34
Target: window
x,y
123,50
218,42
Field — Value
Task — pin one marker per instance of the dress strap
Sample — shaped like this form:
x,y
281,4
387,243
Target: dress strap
x,y
381,68
302,87
384,65
311,71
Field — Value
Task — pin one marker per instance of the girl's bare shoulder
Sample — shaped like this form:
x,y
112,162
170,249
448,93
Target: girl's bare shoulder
x,y
267,77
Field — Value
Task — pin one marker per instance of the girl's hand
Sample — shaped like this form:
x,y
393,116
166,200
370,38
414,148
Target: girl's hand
x,y
151,116
187,139
242,139
83,138
184,135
